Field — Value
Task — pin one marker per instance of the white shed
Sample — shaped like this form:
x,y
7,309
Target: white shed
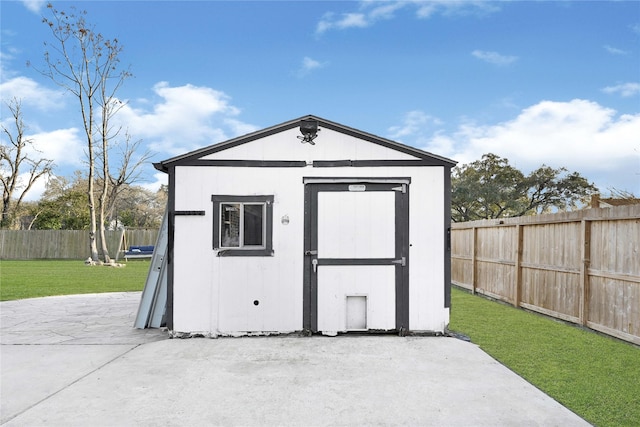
x,y
307,226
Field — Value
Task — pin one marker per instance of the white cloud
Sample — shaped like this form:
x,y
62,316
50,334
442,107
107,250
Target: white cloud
x,y
159,178
624,89
187,117
64,146
350,20
384,10
494,57
239,128
30,92
615,51
449,7
308,65
37,189
413,125
346,20
8,54
580,135
372,11
34,6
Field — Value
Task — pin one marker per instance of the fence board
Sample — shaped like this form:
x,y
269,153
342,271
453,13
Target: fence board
x,y
581,266
462,259
64,244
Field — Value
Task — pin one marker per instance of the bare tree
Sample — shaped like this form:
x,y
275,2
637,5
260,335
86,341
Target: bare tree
x,y
87,65
16,154
112,184
138,207
615,193
128,172
110,105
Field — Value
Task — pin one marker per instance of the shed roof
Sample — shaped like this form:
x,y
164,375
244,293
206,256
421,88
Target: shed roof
x,y
187,158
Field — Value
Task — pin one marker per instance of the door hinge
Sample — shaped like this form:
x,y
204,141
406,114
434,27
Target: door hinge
x,y
402,188
402,261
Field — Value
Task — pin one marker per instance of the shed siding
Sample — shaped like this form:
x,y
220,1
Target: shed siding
x,y
216,295
333,146
426,231
192,267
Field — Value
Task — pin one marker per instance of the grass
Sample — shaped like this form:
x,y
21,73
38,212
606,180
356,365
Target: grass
x,y
39,278
596,376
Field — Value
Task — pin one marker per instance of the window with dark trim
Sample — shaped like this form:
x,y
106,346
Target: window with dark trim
x,y
242,225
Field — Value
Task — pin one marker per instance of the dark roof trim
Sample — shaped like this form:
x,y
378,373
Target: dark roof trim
x,y
302,163
186,159
246,163
376,163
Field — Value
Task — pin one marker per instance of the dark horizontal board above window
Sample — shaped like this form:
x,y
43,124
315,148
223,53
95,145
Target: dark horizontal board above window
x,y
247,163
373,163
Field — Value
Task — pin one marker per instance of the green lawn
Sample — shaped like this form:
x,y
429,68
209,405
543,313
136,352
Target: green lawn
x,y
29,279
595,376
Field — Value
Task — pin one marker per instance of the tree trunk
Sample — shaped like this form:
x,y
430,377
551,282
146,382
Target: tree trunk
x,y
6,220
103,240
93,246
105,189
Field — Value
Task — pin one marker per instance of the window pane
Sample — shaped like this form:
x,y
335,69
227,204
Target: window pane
x,y
230,227
253,225
240,225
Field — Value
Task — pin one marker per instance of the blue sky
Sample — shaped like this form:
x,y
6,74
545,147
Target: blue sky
x,y
542,82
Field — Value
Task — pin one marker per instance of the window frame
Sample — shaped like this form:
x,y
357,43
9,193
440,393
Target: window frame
x,y
267,248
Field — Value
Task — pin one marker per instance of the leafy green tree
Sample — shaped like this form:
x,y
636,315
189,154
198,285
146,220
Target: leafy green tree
x,y
63,205
492,188
140,208
66,212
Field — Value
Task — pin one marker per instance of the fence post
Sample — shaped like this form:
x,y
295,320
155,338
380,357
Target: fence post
x,y
518,255
585,235
474,266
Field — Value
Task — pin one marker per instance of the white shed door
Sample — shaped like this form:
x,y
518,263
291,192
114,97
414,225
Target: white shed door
x,y
356,224
355,256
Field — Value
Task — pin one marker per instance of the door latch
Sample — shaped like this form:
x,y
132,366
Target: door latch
x,y
314,252
314,263
402,261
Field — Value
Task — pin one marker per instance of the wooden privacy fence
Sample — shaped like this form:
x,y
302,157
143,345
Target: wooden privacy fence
x,y
582,267
65,244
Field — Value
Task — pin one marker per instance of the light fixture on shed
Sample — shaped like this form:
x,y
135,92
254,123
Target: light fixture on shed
x,y
309,130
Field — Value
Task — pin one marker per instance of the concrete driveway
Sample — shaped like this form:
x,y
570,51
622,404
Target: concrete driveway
x,y
76,360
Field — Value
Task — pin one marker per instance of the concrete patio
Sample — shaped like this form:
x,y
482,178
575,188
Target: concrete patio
x,y
77,361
